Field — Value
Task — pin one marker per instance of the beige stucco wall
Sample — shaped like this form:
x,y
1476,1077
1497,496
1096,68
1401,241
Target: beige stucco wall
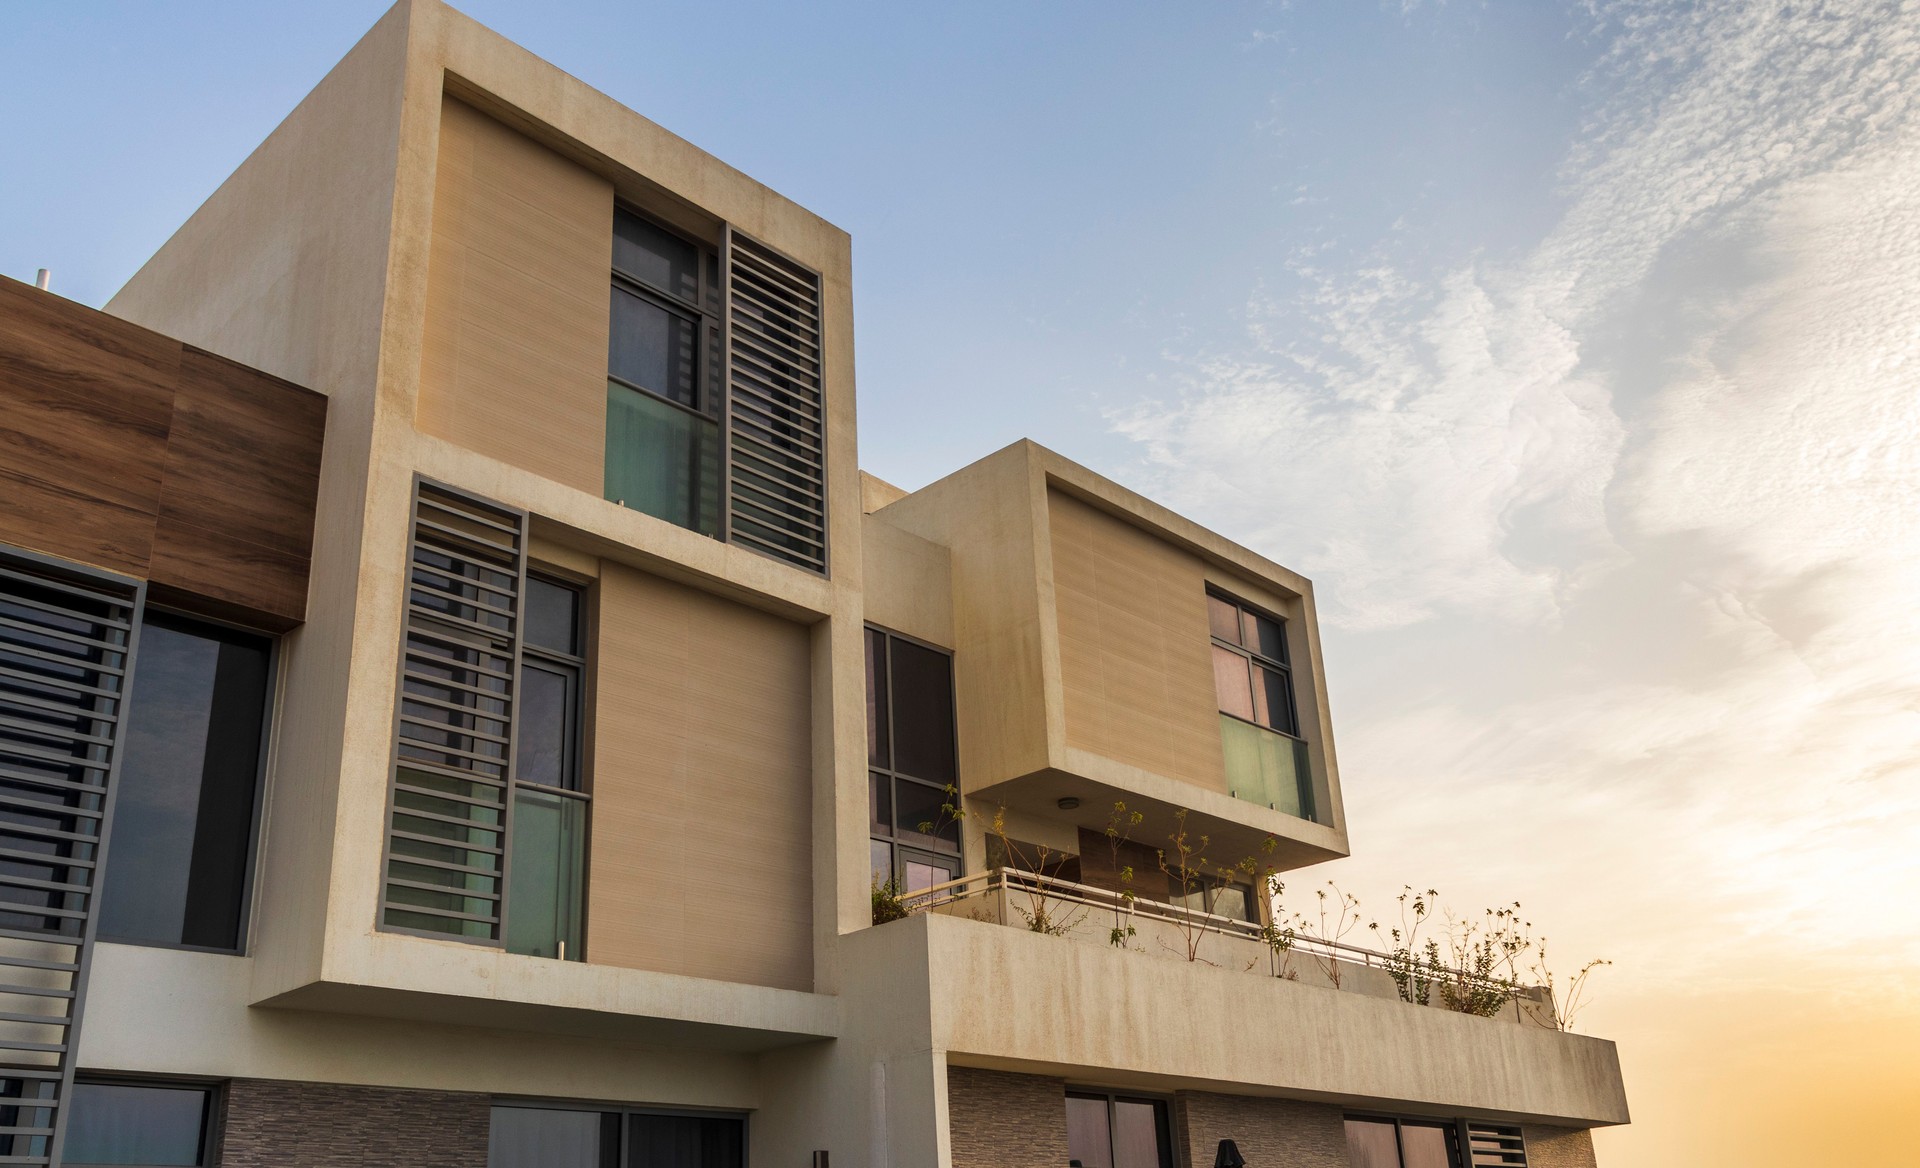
x,y
908,584
701,776
1135,672
514,360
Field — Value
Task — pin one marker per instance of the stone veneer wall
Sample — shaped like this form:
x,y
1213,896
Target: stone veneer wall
x,y
1001,1120
1559,1147
327,1125
1267,1131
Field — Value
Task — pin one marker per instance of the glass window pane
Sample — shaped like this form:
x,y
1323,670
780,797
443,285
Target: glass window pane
x,y
1088,1138
543,745
184,813
685,1141
1273,699
1231,683
1139,1131
880,804
1424,1146
1266,768
1266,637
1223,619
544,903
923,816
655,256
114,1124
880,860
918,872
553,615
653,348
532,1137
879,749
922,712
1370,1144
662,461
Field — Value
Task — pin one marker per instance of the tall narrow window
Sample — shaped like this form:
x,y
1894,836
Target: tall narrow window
x,y
546,876
1118,1131
1259,722
665,386
184,814
912,803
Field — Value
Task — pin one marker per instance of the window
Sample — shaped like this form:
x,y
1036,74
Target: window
x,y
912,801
1117,1131
182,849
1266,758
548,837
665,376
1211,894
1385,1142
554,1137
146,1124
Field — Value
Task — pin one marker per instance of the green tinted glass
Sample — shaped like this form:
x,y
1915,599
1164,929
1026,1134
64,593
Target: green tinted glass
x,y
662,460
544,882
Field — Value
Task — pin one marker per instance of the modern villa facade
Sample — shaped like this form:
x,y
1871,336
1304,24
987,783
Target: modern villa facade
x,y
461,704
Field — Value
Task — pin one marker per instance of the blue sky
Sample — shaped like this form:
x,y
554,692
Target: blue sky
x,y
1573,349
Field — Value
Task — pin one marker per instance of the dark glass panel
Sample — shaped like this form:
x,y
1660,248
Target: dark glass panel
x,y
543,747
653,348
685,1141
1424,1145
1089,1140
532,1137
880,804
878,745
114,1124
1370,1144
922,712
880,860
1267,637
1273,699
655,257
1230,681
923,817
1139,1133
184,812
553,616
1223,619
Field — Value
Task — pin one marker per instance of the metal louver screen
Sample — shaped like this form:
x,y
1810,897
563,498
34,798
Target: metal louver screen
x,y
776,454
67,640
453,759
1495,1147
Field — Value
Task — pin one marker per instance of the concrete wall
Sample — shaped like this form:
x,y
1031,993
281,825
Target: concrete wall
x,y
1001,1120
515,353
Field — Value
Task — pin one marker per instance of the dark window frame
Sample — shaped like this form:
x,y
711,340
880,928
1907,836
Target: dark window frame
x,y
262,768
1460,1132
911,841
624,1110
213,1122
1164,1103
1258,660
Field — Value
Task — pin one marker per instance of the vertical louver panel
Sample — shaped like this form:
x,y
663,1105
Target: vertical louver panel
x,y
447,837
1490,1146
777,450
66,659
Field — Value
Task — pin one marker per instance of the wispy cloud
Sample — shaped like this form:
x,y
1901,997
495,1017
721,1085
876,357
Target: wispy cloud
x,y
1664,465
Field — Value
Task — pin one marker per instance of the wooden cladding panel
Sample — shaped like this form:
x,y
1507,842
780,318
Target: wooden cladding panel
x,y
1134,649
702,856
125,449
514,362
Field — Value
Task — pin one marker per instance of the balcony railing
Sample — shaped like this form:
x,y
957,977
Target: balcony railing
x,y
1089,915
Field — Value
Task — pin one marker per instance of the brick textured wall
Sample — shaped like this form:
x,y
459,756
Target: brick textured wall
x,y
1283,1133
1001,1120
326,1125
1559,1147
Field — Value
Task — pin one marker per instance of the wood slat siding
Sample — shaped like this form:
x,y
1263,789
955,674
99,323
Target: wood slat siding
x,y
702,778
514,360
1134,649
127,450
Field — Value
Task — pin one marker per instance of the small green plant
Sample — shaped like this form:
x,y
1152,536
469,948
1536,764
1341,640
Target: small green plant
x,y
888,905
1120,825
1415,966
1559,1013
1040,912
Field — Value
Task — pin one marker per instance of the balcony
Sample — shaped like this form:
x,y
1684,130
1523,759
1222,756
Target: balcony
x,y
1087,915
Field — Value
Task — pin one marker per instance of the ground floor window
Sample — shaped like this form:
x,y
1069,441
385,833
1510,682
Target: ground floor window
x,y
153,1125
1117,1131
588,1137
